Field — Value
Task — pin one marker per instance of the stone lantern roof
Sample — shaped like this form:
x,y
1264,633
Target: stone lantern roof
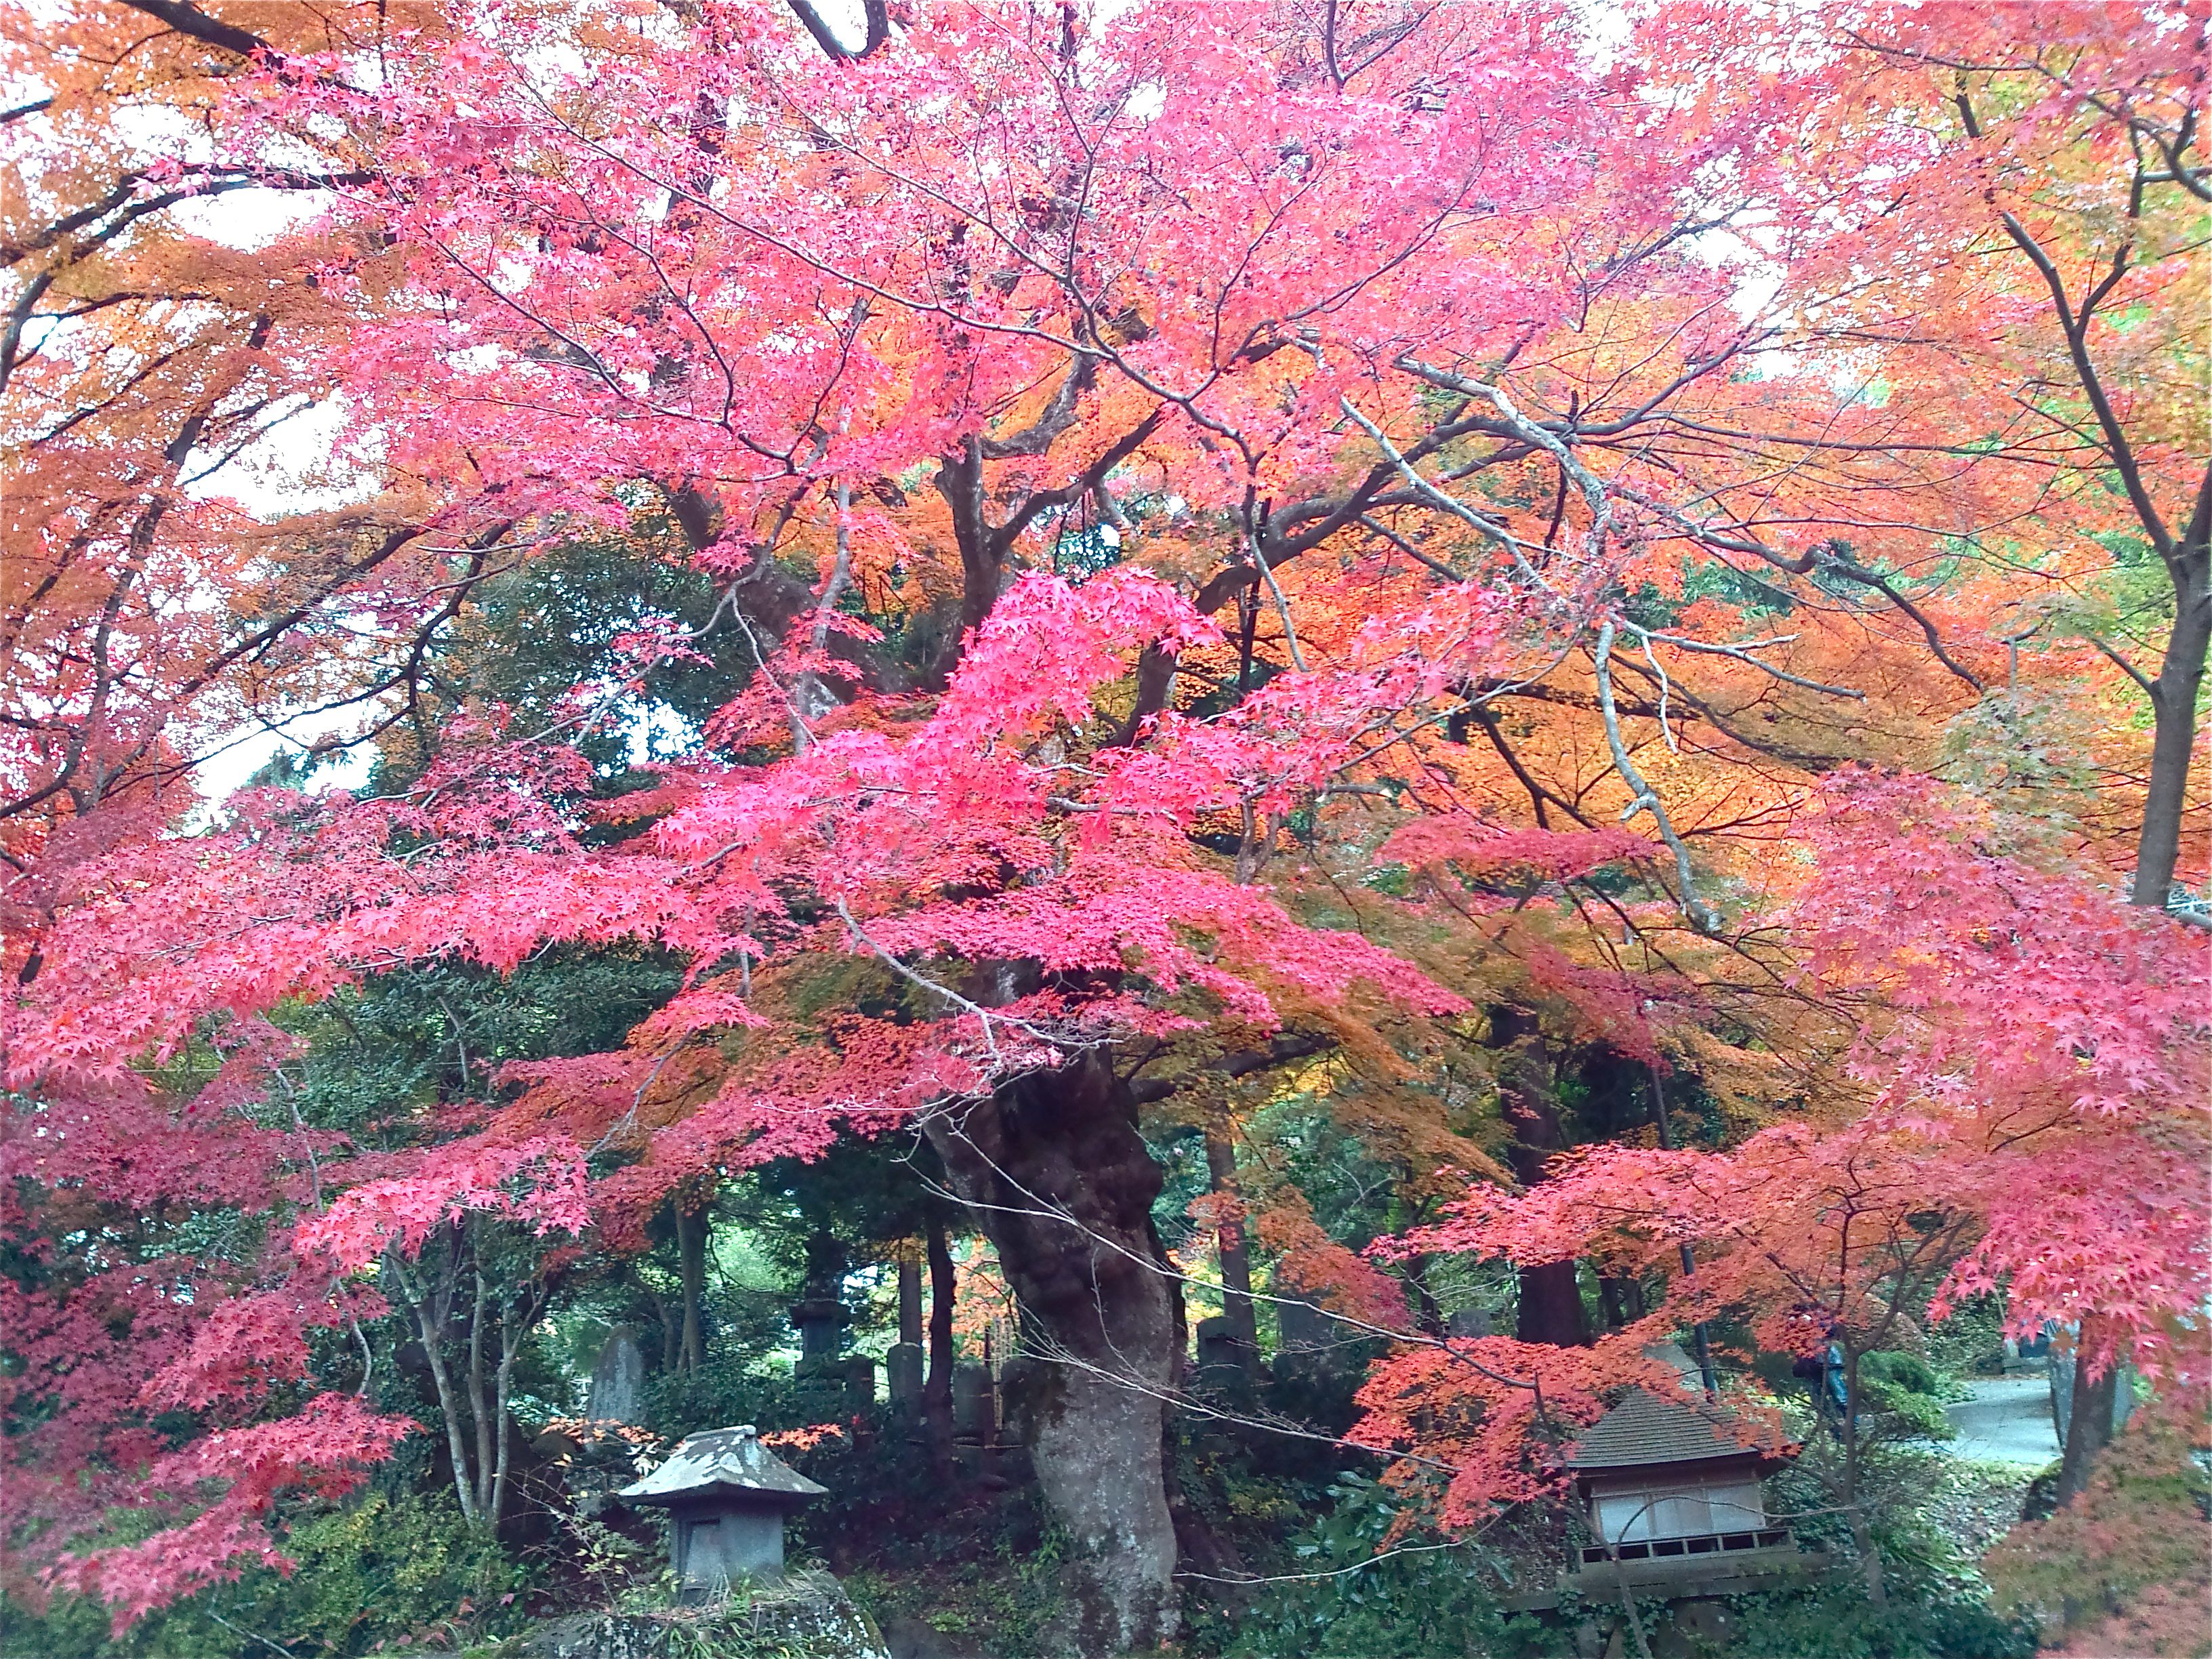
x,y
722,1463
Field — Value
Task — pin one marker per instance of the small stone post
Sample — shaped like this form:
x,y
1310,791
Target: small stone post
x,y
903,1363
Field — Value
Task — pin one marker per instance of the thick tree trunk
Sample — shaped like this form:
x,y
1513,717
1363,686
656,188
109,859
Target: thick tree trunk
x,y
1064,1185
1551,1306
982,552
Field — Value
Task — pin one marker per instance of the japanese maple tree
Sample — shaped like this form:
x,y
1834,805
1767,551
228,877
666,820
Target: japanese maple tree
x,y
1167,467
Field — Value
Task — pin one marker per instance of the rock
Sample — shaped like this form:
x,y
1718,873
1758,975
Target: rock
x,y
802,1615
910,1638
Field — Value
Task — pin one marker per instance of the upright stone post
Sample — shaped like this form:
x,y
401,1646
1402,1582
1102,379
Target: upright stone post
x,y
909,1295
618,1393
1304,1339
975,1417
858,1372
819,1313
821,1324
1221,1360
975,1404
903,1365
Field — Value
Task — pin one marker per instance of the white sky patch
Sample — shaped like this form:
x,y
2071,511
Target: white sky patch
x,y
249,219
847,20
655,732
238,754
294,466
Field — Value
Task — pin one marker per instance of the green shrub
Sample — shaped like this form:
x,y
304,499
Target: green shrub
x,y
1906,1388
1428,1600
381,1570
1835,1620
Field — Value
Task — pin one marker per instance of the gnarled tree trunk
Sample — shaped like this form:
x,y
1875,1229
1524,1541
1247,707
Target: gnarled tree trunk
x,y
1063,1184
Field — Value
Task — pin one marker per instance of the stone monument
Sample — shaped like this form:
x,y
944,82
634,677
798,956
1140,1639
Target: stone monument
x,y
618,1392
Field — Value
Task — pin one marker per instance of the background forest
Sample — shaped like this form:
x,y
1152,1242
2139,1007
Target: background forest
x,y
1173,776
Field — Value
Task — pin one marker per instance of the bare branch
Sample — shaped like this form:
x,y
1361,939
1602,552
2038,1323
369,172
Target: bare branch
x,y
1700,915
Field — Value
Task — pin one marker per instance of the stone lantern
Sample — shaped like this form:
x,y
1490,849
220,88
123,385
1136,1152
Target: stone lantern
x,y
727,1496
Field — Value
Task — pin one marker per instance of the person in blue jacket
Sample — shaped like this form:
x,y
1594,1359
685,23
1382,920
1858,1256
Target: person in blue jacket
x,y
1823,1367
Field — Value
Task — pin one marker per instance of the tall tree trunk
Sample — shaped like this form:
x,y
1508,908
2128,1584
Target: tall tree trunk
x,y
1862,1532
671,1332
479,1406
691,1258
1064,1185
2089,1423
432,1302
2188,559
937,1391
510,1344
449,1407
1551,1301
430,1326
2158,853
910,1295
2174,709
1236,1259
